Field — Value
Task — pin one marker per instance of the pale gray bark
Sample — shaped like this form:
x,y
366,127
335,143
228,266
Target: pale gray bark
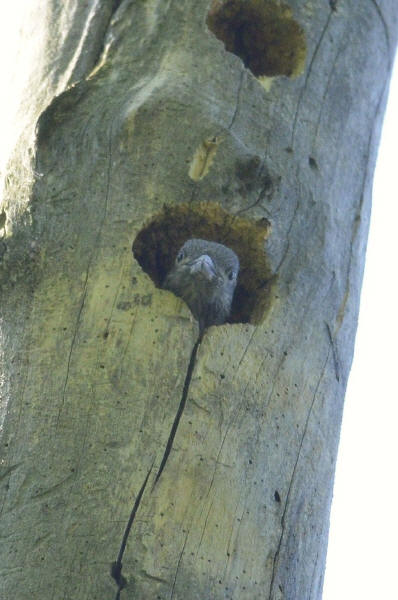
x,y
95,356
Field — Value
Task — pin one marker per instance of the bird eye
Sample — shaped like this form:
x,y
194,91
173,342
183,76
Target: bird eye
x,y
180,256
231,275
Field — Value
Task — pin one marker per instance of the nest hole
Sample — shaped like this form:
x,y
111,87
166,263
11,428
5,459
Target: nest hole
x,y
156,245
262,33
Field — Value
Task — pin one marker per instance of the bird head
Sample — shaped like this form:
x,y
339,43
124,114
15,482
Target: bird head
x,y
204,274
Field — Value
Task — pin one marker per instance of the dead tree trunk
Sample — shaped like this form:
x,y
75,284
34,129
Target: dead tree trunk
x,y
143,124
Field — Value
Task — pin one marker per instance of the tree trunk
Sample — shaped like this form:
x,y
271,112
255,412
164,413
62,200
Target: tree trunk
x,y
157,121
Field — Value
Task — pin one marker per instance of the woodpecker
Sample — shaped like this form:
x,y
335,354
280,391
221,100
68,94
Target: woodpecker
x,y
204,275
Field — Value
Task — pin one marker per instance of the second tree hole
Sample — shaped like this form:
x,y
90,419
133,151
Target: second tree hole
x,y
262,33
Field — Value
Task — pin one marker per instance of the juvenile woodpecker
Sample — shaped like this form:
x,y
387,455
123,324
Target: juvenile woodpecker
x,y
204,275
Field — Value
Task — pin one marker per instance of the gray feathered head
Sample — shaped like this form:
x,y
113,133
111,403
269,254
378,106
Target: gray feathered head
x,y
204,275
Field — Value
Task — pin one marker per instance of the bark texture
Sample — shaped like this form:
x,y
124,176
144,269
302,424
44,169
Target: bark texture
x,y
224,450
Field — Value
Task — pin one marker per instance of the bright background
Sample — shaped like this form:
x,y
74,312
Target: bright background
x,y
363,543
363,556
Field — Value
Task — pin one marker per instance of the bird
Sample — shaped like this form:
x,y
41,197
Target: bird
x,y
204,275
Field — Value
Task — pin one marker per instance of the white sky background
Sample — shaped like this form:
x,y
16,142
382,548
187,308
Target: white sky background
x,y
363,556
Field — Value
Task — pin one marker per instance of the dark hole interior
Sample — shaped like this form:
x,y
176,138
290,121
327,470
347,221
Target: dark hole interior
x,y
262,33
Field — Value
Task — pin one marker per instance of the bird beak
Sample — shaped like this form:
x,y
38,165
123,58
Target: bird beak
x,y
205,266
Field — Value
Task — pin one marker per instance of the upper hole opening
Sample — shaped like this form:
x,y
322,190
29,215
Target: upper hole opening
x,y
262,33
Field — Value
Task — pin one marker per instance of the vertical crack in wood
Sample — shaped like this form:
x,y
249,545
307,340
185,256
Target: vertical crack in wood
x,y
334,351
181,407
237,99
308,74
116,567
259,199
72,345
283,519
289,229
341,49
89,265
357,217
178,566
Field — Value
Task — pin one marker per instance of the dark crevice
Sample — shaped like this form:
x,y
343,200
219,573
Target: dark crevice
x,y
99,43
116,567
94,40
72,345
181,407
334,352
115,6
237,99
